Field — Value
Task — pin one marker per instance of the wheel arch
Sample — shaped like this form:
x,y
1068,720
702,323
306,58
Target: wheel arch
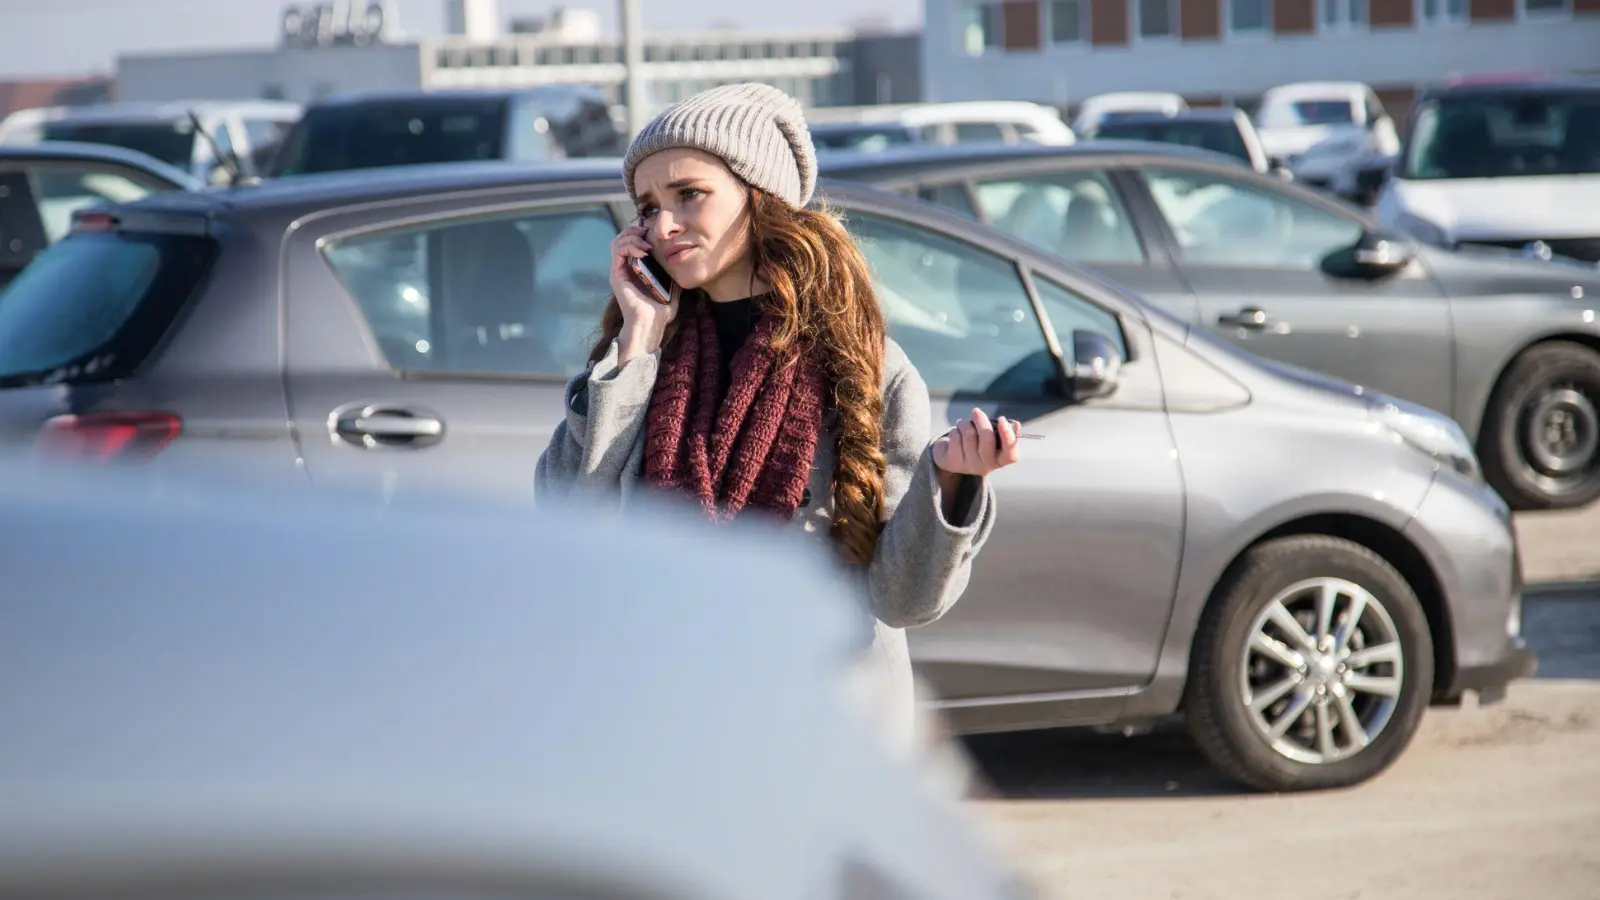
x,y
1481,410
1397,550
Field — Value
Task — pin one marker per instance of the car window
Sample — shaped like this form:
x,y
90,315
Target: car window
x,y
363,136
61,190
961,313
951,196
171,142
1070,311
266,136
1223,221
1074,214
514,295
970,132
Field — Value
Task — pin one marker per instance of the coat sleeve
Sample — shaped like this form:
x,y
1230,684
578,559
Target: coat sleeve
x,y
605,408
923,560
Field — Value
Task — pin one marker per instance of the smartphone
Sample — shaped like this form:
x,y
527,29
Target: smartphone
x,y
654,278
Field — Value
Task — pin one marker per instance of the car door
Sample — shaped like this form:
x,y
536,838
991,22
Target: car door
x,y
1073,590
434,354
1080,214
38,198
1263,263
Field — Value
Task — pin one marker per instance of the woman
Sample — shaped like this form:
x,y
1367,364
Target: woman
x,y
767,384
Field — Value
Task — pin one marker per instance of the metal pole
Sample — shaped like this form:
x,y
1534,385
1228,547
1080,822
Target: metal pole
x,y
633,63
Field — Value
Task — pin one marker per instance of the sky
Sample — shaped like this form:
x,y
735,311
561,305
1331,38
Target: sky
x,y
54,38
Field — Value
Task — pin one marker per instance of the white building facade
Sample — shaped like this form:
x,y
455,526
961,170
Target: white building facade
x,y
1217,52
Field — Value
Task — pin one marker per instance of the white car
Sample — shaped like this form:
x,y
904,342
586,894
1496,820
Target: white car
x,y
1512,165
957,122
1330,135
1101,108
217,692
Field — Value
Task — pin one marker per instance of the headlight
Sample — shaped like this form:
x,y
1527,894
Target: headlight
x,y
1429,432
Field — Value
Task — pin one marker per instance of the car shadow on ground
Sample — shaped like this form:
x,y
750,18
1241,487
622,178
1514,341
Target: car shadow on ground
x,y
1561,622
1067,763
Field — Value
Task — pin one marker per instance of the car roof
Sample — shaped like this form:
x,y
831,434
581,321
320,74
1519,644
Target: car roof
x,y
301,698
1514,87
76,151
166,110
331,189
360,98
908,160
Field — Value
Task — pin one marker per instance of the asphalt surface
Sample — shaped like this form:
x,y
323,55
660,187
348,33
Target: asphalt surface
x,y
1492,803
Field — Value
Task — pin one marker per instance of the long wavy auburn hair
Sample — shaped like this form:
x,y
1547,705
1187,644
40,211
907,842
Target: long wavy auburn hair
x,y
822,297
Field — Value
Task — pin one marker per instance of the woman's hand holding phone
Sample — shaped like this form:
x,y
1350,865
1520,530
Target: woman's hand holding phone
x,y
644,319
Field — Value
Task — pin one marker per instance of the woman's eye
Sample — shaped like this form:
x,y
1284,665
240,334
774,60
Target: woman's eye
x,y
691,193
646,212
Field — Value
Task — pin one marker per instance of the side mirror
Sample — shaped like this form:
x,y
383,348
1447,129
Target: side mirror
x,y
1376,255
1096,362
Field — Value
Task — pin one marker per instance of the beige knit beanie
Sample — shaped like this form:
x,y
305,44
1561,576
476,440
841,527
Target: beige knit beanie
x,y
758,131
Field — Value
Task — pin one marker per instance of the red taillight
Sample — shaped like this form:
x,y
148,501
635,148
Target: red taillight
x,y
93,221
106,437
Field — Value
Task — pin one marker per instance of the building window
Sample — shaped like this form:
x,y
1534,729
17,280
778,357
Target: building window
x,y
1341,14
1068,21
1157,18
980,27
1251,16
1546,7
1442,12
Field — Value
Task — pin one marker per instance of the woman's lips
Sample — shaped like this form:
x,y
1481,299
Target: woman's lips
x,y
678,254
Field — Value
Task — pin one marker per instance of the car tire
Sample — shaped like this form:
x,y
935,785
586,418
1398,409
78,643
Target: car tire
x,y
1540,441
1229,672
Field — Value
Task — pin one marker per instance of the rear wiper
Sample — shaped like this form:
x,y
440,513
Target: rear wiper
x,y
229,160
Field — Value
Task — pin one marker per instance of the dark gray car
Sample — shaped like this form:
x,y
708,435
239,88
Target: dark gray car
x,y
1509,347
1296,564
42,185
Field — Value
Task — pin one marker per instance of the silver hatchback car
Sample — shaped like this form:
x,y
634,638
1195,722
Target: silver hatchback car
x,y
1296,565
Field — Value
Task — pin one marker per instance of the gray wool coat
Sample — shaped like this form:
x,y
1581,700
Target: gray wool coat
x,y
922,561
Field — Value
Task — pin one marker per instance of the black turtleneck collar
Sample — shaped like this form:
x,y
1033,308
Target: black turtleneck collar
x,y
734,320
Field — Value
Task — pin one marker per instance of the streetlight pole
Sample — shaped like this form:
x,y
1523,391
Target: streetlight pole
x,y
633,63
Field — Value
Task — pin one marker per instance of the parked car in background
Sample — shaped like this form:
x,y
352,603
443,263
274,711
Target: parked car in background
x,y
1224,131
360,131
1336,135
1510,164
967,122
325,697
26,126
1509,347
245,131
868,136
1103,108
42,185
1298,565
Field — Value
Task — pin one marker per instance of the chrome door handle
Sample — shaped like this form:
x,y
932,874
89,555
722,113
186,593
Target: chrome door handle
x,y
374,427
1251,317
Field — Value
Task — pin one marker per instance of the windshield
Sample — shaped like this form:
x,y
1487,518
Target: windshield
x,y
1506,136
170,142
93,306
1219,137
367,136
1308,112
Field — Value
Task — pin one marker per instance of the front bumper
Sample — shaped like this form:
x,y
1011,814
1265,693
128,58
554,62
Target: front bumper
x,y
1490,680
1464,529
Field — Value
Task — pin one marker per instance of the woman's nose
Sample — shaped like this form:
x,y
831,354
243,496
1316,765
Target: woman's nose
x,y
666,225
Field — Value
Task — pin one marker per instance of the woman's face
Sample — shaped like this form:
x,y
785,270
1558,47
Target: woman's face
x,y
697,218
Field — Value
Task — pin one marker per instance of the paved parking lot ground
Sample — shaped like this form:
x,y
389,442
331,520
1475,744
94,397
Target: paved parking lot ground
x,y
1560,546
1495,803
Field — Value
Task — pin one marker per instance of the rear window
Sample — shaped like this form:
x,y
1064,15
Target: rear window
x,y
339,138
1219,137
170,142
94,306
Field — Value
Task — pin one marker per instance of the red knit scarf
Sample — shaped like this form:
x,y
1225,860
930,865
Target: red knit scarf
x,y
752,445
